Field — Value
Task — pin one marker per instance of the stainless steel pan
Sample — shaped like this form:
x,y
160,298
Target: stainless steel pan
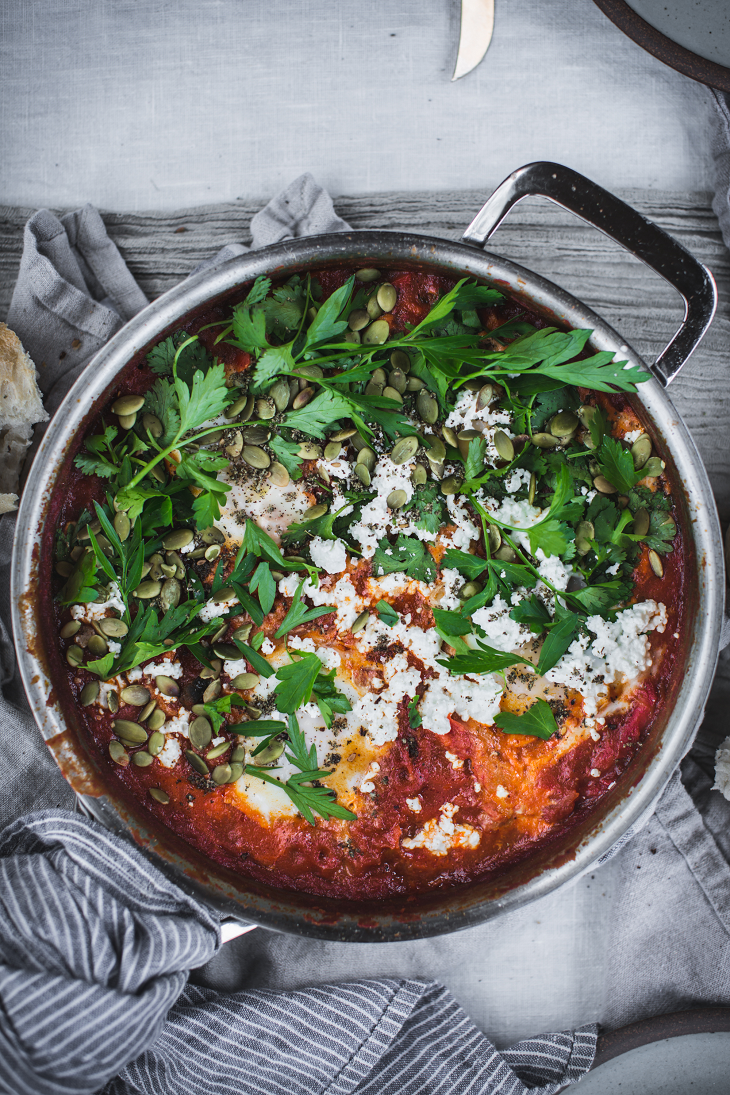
x,y
43,671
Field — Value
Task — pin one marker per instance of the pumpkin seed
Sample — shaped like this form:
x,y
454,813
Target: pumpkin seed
x,y
130,731
450,485
256,435
587,413
564,424
226,651
584,533
473,385
221,774
135,694
653,467
213,691
309,451
436,454
367,457
198,709
244,632
399,359
427,407
656,564
245,680
368,273
265,409
544,440
152,425
344,434
306,395
332,450
156,562
89,693
373,388
279,392
414,384
254,712
419,475
641,450
449,437
64,569
128,404
234,409
396,499
469,589
235,445
603,486
122,525
69,630
532,488
218,750
127,421
358,319
200,732
118,753
146,591
278,475
506,554
316,511
156,720
363,474
397,380
641,522
178,538
158,473
146,568
387,296
373,309
360,622
112,700
156,743
167,686
485,397
97,646
159,795
495,538
377,333
256,457
212,553
238,755
74,656
271,753
236,772
404,450
197,763
352,336
464,437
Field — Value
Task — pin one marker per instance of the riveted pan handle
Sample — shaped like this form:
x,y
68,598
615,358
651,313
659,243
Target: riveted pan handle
x,y
623,224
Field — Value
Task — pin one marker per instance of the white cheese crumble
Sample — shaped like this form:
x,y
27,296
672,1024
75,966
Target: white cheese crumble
x,y
343,596
95,610
155,669
267,647
376,519
170,753
329,555
178,724
454,761
440,836
501,791
367,784
414,804
502,632
722,769
466,530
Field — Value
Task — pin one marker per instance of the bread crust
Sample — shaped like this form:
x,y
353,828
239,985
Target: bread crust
x,y
21,406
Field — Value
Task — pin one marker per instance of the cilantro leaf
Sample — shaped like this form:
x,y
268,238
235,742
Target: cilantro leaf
x,y
295,683
537,721
471,566
550,535
414,715
427,506
407,555
258,291
287,453
387,613
328,697
274,362
532,613
299,614
206,398
326,325
559,638
617,465
662,530
325,409
262,581
249,328
483,660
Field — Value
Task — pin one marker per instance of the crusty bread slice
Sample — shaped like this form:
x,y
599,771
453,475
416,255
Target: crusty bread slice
x,y
21,406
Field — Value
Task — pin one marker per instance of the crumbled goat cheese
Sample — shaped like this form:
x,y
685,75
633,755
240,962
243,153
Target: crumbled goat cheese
x,y
722,769
554,570
267,647
619,650
170,753
343,596
95,610
155,669
454,761
440,836
632,435
376,519
518,478
178,724
595,773
451,581
329,555
501,791
516,514
367,784
502,632
466,530
414,804
330,658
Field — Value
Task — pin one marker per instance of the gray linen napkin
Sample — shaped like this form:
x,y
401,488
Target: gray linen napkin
x,y
94,942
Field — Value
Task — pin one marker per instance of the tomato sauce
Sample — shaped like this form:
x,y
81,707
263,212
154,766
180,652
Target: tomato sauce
x,y
549,786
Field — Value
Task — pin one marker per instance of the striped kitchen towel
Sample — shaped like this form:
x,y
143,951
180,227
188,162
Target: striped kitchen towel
x,y
95,949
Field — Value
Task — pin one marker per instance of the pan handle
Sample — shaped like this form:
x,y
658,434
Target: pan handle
x,y
621,223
